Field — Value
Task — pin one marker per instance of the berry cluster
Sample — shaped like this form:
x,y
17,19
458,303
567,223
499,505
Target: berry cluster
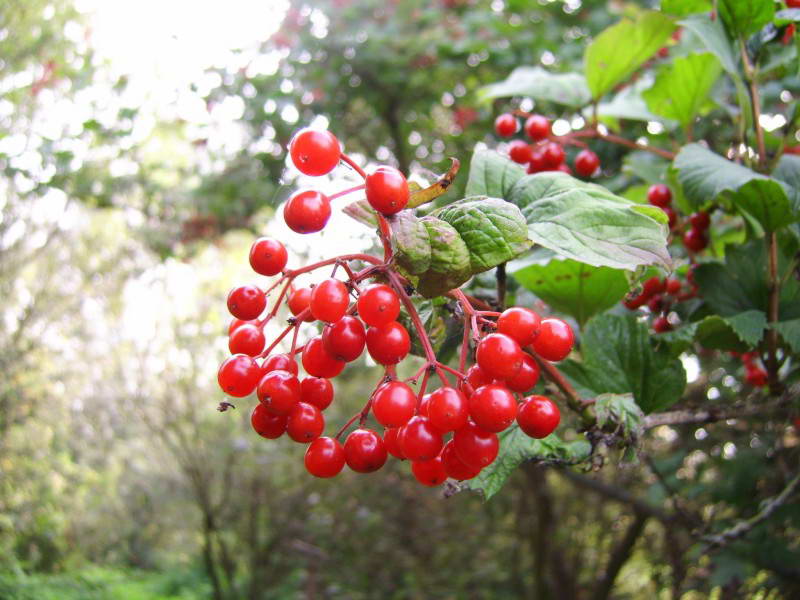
x,y
754,374
354,315
659,296
695,239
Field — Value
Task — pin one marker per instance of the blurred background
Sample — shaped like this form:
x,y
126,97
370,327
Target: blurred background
x,y
142,150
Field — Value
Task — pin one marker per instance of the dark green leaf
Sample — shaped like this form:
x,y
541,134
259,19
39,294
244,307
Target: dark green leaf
x,y
620,410
450,263
743,17
411,241
766,201
716,333
682,87
704,175
492,174
790,332
568,89
788,169
749,326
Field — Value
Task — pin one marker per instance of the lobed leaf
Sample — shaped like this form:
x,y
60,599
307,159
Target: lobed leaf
x,y
568,89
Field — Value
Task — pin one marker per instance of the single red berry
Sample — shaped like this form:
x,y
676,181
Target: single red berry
x,y
420,440
314,152
537,127
788,33
635,302
475,447
238,376
454,466
429,472
793,3
700,220
553,155
521,324
324,457
520,152
247,339
318,362
282,362
526,377
388,344
236,323
663,52
506,125
307,211
653,286
476,377
267,424
656,303
695,240
538,416
378,305
448,409
268,256
661,324
672,217
317,391
246,302
387,190
345,338
536,164
298,301
305,423
499,355
492,407
392,442
756,377
364,451
393,404
279,391
673,286
659,195
422,407
586,163
329,300
749,357
555,340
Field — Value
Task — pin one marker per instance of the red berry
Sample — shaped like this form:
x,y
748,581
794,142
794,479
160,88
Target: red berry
x,y
536,164
317,391
392,442
246,302
318,362
314,152
653,286
345,339
378,305
268,256
553,155
793,3
492,407
276,362
388,344
267,424
305,423
247,339
695,240
420,440
700,220
659,195
526,377
661,324
656,303
364,451
387,190
521,324
298,301
506,125
422,408
635,302
564,168
454,466
236,323
756,376
499,356
429,472
476,377
520,152
672,217
537,127
393,404
329,300
238,376
555,340
673,286
538,416
586,163
324,457
307,211
475,447
448,409
279,391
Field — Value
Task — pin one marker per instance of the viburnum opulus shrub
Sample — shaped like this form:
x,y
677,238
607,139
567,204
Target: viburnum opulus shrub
x,y
690,247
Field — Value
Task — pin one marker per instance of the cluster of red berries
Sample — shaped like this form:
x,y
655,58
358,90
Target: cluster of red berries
x,y
544,154
659,296
754,374
696,237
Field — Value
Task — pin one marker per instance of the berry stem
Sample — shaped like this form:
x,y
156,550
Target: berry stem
x,y
574,401
462,363
346,192
349,161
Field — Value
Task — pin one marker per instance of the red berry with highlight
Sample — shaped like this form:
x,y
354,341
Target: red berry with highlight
x,y
314,152
364,451
521,324
537,127
476,377
246,302
305,423
298,301
695,240
429,472
420,440
317,391
526,377
238,376
454,466
267,424
586,163
324,457
493,407
555,339
345,339
247,339
392,442
520,152
318,362
268,256
378,305
506,125
553,155
659,195
475,447
307,211
448,409
700,220
279,392
282,362
538,416
661,324
388,344
387,190
499,355
393,404
329,300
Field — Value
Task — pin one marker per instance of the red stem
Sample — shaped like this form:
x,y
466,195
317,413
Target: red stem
x,y
349,161
345,192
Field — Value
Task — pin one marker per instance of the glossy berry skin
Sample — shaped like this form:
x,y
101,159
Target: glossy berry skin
x,y
553,155
299,300
279,392
324,457
378,305
364,451
329,300
659,195
314,152
673,286
307,211
388,344
275,362
586,163
506,125
246,302
538,416
493,407
521,324
268,256
555,340
476,377
420,440
499,356
475,447
520,152
422,407
236,323
536,164
756,377
393,404
695,240
448,409
793,3
318,362
526,377
267,424
246,339
387,190
317,391
700,220
345,339
429,472
537,127
305,423
453,466
392,442
653,286
238,376
661,324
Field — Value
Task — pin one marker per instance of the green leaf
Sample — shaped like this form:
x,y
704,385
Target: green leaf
x,y
604,62
628,103
574,288
587,223
361,211
620,410
681,8
715,333
745,17
515,448
568,89
790,332
492,174
682,88
704,175
788,169
766,201
411,241
749,326
450,263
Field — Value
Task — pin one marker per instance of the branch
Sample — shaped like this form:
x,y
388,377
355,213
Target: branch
x,y
711,415
620,555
